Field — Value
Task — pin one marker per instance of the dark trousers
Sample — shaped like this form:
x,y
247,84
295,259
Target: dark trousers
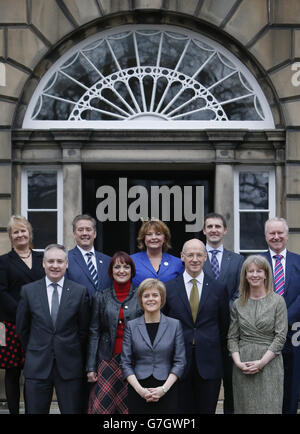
x,y
196,394
227,384
39,394
291,361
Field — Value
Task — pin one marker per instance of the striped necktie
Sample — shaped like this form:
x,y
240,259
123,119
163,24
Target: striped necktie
x,y
214,263
278,275
92,268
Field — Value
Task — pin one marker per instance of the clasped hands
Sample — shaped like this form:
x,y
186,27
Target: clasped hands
x,y
251,367
151,394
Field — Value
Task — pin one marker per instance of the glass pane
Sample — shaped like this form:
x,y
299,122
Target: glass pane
x,y
252,230
254,190
44,228
42,190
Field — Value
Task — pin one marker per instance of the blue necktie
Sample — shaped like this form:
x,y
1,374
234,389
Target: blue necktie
x,y
92,268
214,263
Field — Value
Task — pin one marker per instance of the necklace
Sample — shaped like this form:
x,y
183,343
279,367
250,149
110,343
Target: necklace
x,y
25,257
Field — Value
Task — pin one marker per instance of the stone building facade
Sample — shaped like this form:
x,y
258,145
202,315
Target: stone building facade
x,y
249,165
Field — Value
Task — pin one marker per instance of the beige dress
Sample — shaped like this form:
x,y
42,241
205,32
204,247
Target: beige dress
x,y
256,327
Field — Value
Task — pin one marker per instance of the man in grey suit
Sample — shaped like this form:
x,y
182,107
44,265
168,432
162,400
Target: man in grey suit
x,y
224,266
52,324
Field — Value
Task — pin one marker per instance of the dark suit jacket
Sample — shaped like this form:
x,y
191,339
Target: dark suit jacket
x,y
230,272
291,290
42,341
14,273
165,356
210,330
79,272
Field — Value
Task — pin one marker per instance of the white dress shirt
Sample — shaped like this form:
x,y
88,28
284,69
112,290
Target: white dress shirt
x,y
189,284
50,290
93,257
219,255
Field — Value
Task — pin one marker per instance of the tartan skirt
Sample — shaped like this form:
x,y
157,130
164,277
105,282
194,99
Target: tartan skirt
x,y
109,394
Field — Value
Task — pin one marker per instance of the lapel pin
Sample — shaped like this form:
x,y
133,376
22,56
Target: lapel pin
x,y
166,263
100,261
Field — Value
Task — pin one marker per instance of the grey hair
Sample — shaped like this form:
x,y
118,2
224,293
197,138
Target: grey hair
x,y
55,246
277,219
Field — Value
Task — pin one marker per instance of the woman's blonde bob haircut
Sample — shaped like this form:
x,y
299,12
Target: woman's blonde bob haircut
x,y
158,226
263,264
151,284
17,221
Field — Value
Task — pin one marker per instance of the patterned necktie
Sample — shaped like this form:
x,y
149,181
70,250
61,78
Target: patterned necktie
x,y
92,268
194,299
54,303
214,263
278,275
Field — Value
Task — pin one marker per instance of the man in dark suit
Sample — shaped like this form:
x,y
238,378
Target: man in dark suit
x,y
52,324
224,266
286,272
201,304
86,265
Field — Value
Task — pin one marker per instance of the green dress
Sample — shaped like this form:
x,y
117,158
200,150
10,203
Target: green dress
x,y
258,326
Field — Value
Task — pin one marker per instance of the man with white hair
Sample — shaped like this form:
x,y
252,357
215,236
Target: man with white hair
x,y
286,273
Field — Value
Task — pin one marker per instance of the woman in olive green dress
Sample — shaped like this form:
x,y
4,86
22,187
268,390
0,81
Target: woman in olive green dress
x,y
256,337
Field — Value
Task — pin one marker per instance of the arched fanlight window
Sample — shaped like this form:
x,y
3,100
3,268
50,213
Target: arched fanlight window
x,y
148,77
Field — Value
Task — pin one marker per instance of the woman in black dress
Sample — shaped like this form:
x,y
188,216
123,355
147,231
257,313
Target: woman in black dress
x,y
19,266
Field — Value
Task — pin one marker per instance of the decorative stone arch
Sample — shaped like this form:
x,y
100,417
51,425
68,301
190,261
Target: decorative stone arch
x,y
186,22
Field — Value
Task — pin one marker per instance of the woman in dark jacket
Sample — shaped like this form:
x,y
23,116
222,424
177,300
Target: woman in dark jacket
x,y
19,266
111,310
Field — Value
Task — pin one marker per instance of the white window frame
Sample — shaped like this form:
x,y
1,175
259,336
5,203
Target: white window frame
x,y
150,124
237,211
59,209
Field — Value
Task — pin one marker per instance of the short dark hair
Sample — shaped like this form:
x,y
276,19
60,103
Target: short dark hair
x,y
215,215
84,217
124,258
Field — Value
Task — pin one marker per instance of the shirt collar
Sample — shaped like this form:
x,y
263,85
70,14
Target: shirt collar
x,y
59,283
209,248
283,253
83,252
187,277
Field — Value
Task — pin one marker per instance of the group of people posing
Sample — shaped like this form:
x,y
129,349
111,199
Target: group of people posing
x,y
150,332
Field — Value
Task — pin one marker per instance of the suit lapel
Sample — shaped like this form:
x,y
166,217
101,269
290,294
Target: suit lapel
x,y
143,331
204,295
64,300
226,257
81,262
181,291
14,258
44,301
161,330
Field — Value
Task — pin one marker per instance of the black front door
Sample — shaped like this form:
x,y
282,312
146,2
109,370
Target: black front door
x,y
120,200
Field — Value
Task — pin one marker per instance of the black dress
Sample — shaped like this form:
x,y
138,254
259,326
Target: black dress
x,y
167,404
14,273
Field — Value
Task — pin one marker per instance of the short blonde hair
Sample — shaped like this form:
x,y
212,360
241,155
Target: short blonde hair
x,y
19,220
157,225
149,284
263,264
